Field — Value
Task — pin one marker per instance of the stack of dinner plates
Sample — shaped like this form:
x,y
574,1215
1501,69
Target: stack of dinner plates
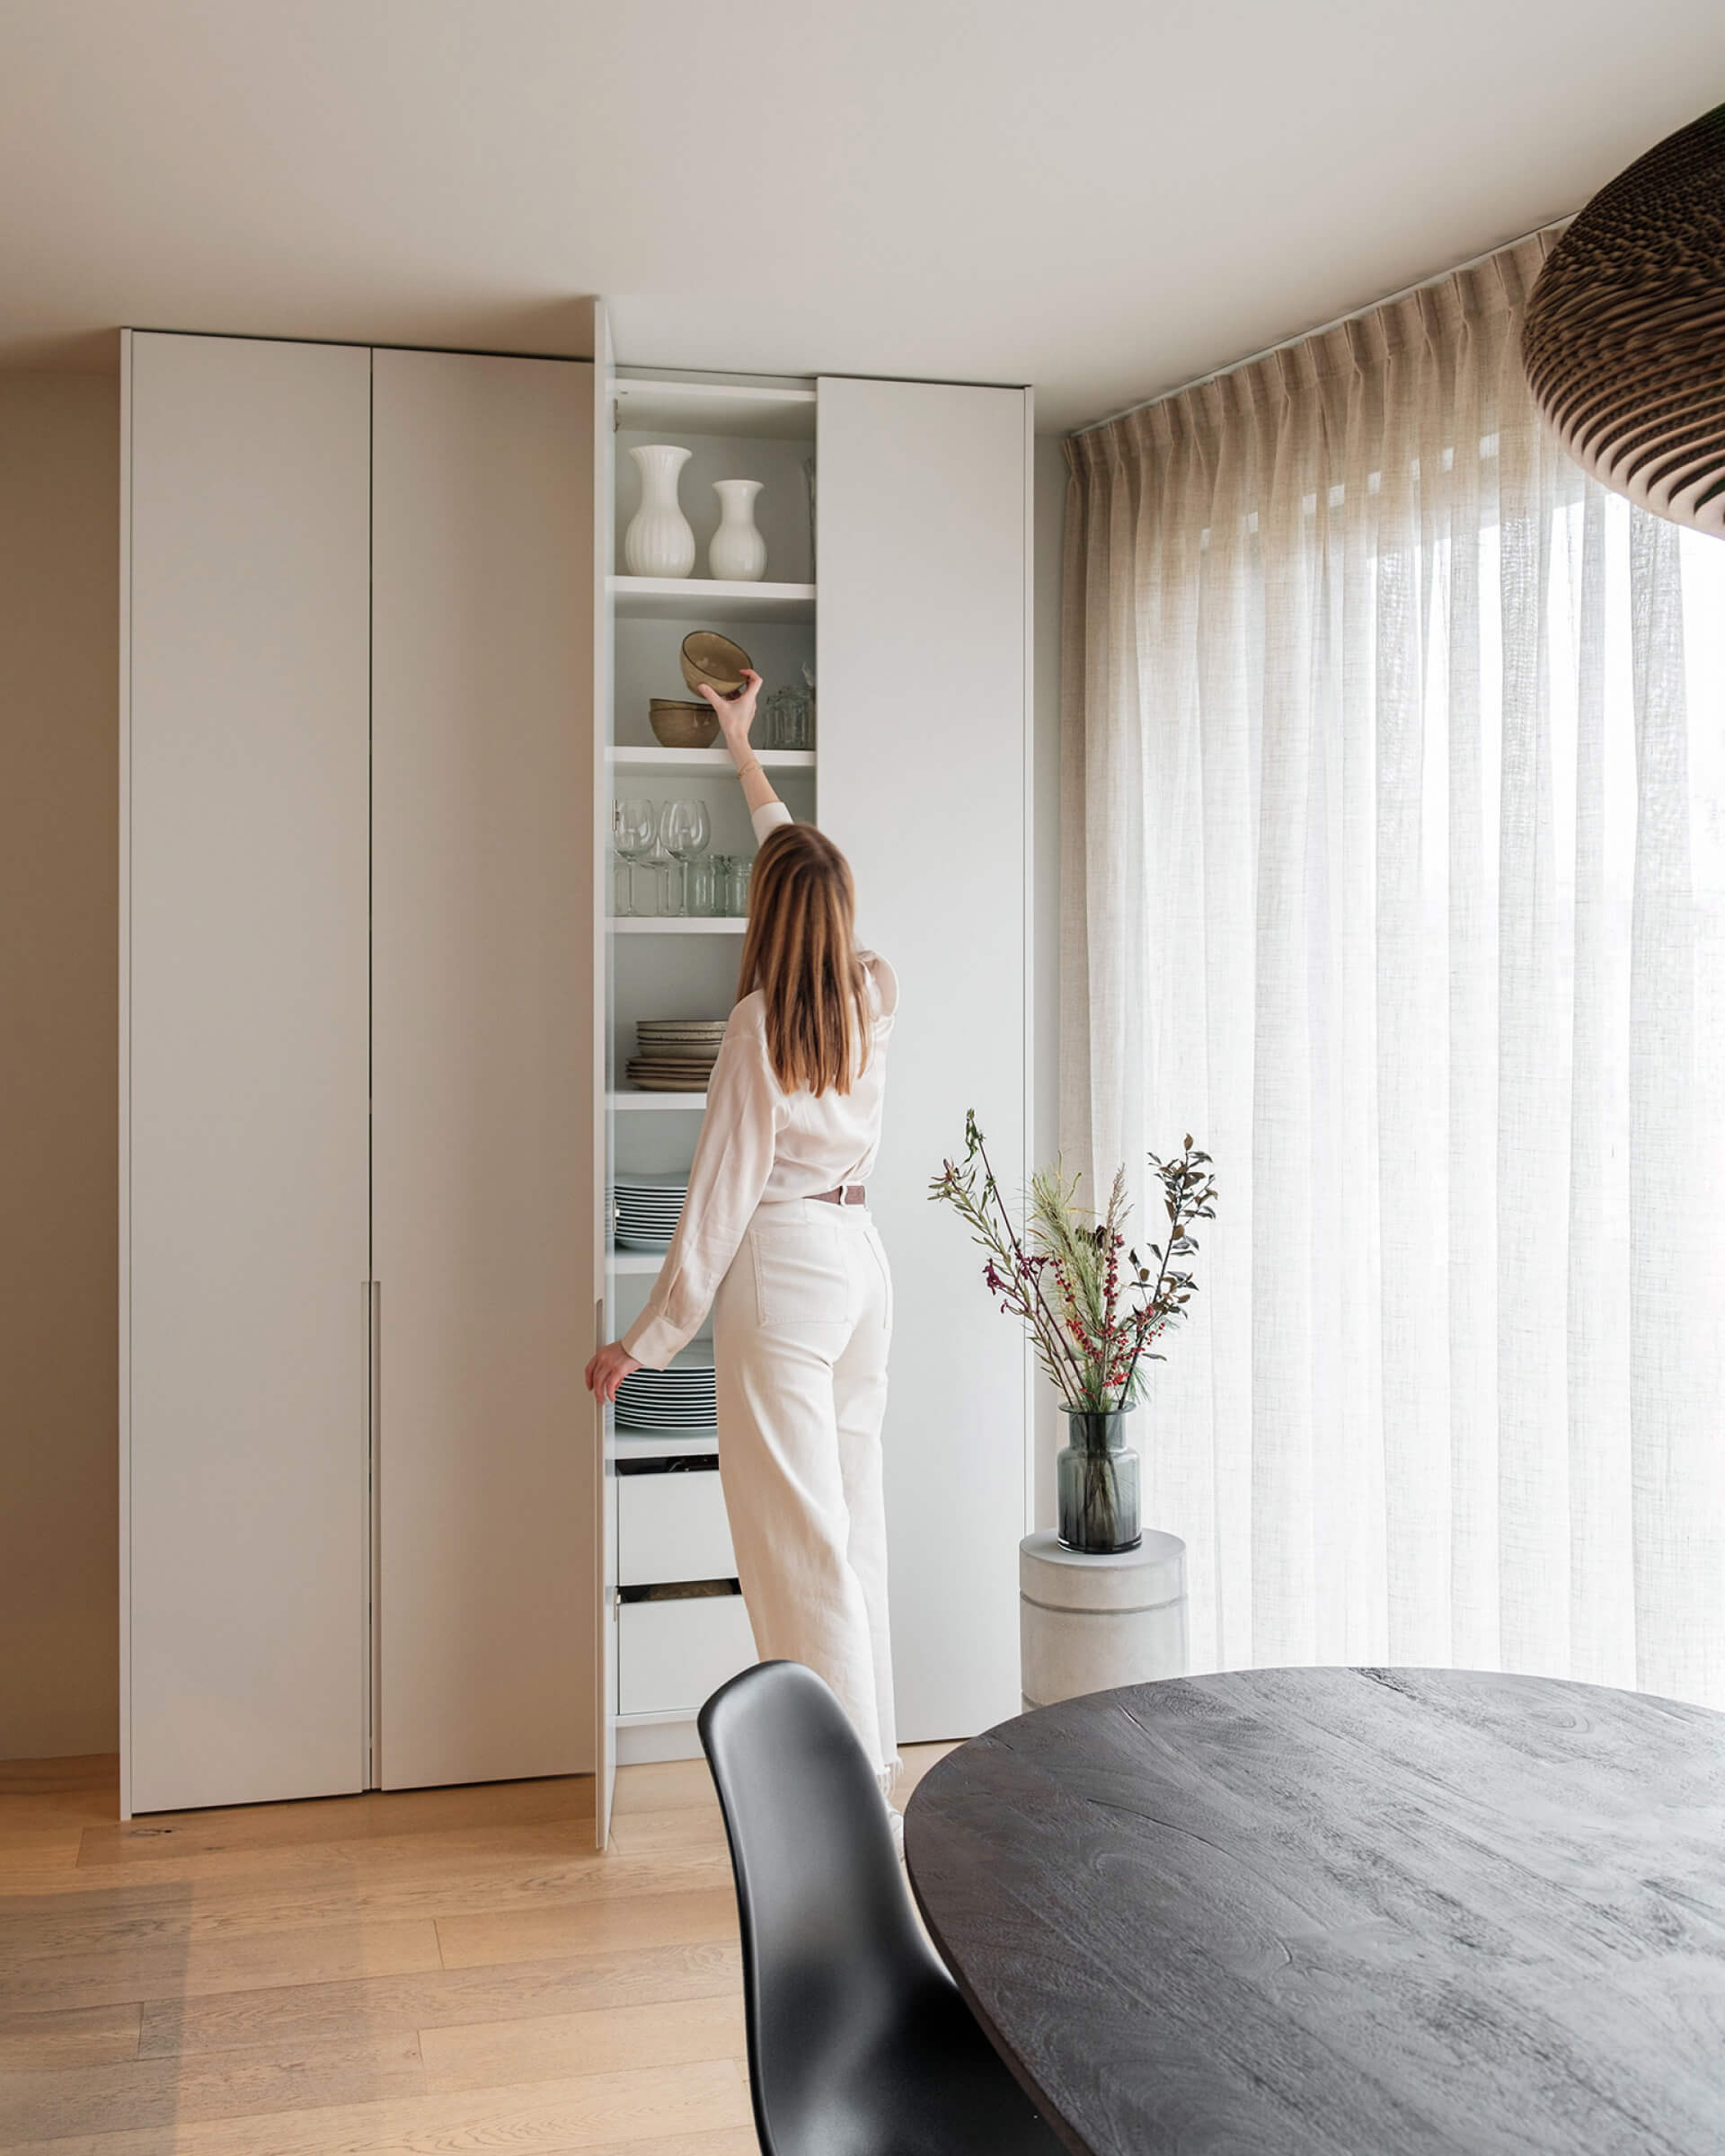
x,y
647,1207
677,1054
682,1397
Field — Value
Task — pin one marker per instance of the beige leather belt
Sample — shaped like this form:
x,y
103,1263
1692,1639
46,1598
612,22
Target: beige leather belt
x,y
846,1194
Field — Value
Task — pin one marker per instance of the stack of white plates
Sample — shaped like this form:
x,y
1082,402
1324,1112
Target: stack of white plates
x,y
682,1397
647,1210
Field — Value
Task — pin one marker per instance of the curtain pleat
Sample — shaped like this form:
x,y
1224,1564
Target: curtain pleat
x,y
1394,872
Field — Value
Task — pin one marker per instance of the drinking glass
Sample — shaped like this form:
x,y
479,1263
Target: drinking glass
x,y
773,729
634,833
686,829
741,867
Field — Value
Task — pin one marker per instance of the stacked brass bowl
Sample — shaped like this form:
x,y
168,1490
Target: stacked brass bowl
x,y
682,725
709,661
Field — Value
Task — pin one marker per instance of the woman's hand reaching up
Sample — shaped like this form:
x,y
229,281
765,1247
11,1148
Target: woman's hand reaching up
x,y
736,715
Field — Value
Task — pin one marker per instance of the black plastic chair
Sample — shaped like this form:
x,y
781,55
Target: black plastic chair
x,y
859,2042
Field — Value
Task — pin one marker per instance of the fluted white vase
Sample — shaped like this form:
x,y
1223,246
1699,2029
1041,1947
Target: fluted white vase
x,y
661,541
737,554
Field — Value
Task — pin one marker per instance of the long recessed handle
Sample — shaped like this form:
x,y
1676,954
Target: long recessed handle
x,y
375,1362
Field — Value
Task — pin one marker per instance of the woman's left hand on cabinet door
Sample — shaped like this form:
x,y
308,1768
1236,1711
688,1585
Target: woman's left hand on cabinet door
x,y
608,1369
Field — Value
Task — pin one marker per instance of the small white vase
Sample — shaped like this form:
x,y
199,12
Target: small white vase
x,y
661,542
737,554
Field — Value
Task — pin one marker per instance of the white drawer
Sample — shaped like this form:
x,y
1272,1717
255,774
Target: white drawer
x,y
671,1654
672,1527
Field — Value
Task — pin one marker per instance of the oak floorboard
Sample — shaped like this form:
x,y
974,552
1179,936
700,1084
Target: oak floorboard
x,y
53,2104
679,2108
352,1892
86,2036
633,1976
75,1781
269,1980
167,1836
682,1830
108,1975
590,1927
300,1866
484,2055
659,1785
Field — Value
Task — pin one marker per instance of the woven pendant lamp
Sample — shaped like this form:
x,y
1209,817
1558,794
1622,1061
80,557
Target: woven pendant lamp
x,y
1624,340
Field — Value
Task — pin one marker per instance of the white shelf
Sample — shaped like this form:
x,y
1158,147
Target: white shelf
x,y
700,600
634,1261
668,760
716,408
654,924
673,1103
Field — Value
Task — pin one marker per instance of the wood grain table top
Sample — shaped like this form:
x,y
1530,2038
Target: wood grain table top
x,y
1385,1912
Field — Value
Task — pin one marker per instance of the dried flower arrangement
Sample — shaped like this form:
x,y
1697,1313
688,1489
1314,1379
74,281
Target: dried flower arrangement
x,y
1092,1305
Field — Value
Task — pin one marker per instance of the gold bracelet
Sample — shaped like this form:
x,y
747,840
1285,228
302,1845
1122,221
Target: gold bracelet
x,y
743,770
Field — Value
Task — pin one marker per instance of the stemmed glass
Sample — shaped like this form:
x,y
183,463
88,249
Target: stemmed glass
x,y
686,829
634,833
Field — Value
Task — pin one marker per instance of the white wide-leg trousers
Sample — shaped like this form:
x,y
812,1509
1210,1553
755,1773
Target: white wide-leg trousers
x,y
801,1324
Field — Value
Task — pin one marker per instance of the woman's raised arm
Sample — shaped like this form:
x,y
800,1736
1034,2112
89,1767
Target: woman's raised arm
x,y
736,716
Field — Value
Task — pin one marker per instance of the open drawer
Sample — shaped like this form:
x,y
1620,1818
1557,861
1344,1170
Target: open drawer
x,y
671,1526
673,1652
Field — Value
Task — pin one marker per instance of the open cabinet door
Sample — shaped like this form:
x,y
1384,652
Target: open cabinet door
x,y
481,1048
605,1503
924,565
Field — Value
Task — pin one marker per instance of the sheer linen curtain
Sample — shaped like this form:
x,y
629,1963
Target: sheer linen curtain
x,y
1394,846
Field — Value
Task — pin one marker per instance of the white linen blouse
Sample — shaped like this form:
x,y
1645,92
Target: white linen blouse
x,y
761,1145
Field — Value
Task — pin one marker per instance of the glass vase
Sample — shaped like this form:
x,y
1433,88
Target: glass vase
x,y
1096,1480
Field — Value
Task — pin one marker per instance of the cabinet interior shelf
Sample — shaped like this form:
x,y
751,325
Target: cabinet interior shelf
x,y
672,1104
654,924
746,408
698,600
670,760
635,1261
670,1445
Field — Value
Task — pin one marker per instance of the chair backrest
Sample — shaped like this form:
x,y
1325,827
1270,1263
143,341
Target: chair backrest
x,y
832,1956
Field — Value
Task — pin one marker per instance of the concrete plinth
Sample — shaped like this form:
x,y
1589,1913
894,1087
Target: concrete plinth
x,y
1089,1624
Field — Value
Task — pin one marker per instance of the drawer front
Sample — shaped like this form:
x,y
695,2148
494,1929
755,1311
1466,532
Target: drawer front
x,y
671,1654
672,1527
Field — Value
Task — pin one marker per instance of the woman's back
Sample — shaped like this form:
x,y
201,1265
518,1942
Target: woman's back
x,y
823,1139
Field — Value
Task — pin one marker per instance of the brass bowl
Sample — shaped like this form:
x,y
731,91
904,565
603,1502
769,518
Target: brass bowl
x,y
715,659
682,725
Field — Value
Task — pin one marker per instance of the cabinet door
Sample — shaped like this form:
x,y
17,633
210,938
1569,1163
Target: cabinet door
x,y
244,1245
922,738
483,939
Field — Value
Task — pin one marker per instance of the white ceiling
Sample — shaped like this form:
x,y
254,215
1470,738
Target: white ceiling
x,y
1099,197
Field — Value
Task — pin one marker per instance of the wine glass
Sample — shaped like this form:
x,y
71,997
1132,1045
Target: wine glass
x,y
686,829
634,833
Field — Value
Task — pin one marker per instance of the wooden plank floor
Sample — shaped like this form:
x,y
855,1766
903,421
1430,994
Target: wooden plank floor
x,y
443,1970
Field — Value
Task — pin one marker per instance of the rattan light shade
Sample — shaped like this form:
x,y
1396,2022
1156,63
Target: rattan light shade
x,y
1624,335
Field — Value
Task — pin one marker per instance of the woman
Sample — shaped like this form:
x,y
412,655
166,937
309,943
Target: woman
x,y
775,1236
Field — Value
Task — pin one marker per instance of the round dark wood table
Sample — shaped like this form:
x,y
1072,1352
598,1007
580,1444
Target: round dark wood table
x,y
1385,1912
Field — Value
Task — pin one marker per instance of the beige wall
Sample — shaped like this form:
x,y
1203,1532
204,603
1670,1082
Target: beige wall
x,y
59,465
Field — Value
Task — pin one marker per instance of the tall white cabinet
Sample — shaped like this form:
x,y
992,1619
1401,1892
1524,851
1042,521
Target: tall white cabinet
x,y
245,1228
356,1057
381,684
900,578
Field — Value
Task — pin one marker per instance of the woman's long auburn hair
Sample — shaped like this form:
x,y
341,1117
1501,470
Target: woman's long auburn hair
x,y
799,953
